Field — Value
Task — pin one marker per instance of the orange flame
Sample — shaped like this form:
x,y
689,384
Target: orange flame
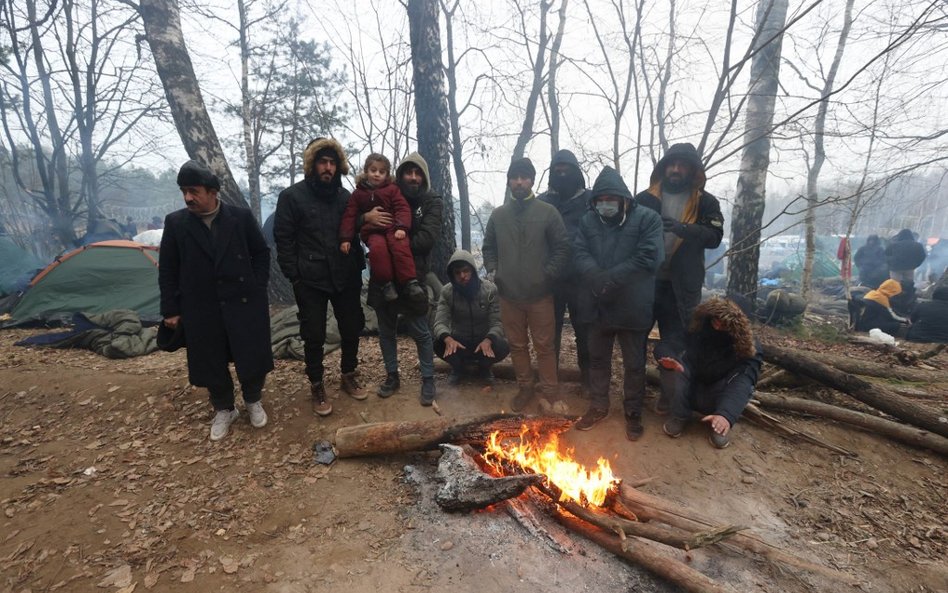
x,y
543,457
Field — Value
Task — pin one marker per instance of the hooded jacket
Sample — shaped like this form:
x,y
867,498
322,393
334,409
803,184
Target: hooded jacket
x,y
427,212
306,227
903,252
571,208
703,227
930,319
468,320
877,309
616,260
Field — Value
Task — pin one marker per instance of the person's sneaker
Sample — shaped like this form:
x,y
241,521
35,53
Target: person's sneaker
x,y
427,391
321,406
673,427
721,441
633,428
221,424
258,416
661,406
454,378
522,399
592,417
350,384
389,386
415,291
486,376
389,292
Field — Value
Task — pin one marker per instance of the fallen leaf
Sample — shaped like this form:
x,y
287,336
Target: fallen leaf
x,y
229,564
151,579
117,577
128,589
187,576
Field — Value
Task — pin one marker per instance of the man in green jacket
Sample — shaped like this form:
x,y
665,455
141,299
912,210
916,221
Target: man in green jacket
x,y
526,247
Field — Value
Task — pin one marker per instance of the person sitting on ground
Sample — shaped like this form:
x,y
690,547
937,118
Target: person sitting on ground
x,y
930,319
717,373
467,326
877,310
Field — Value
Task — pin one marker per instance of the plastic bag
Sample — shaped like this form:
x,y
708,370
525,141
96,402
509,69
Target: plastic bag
x,y
877,335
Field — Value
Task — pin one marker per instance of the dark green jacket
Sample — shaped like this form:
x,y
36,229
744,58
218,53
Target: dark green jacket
x,y
468,320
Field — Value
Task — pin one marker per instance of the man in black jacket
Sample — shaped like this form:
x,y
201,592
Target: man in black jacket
x,y
306,230
904,254
693,222
213,270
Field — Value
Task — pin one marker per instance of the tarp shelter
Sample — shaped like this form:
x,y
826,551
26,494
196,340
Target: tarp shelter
x,y
94,278
17,266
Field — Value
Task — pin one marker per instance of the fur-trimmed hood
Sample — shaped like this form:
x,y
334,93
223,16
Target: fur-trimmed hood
x,y
309,156
736,324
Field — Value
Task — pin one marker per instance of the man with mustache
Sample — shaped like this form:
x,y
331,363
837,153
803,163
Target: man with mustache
x,y
692,222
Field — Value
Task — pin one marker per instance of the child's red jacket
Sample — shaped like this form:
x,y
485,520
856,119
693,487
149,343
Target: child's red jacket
x,y
365,198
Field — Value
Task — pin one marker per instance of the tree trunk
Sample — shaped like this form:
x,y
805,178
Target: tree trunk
x,y
752,181
457,148
162,22
530,111
251,147
431,113
856,366
551,93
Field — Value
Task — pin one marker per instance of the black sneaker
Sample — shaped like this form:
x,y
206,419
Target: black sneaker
x,y
486,376
592,417
427,391
454,378
390,386
389,292
522,399
633,428
673,427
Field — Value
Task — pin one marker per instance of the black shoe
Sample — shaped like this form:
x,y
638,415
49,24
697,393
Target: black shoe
x,y
720,441
390,386
592,417
633,428
673,427
415,292
389,292
454,378
522,399
486,376
427,391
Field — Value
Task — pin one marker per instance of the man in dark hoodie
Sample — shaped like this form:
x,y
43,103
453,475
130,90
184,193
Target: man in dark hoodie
x,y
412,178
306,230
930,318
870,259
617,250
904,254
693,222
568,194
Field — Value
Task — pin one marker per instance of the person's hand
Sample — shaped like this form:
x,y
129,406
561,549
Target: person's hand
x,y
673,226
719,424
345,246
451,346
486,347
670,364
378,218
172,321
399,234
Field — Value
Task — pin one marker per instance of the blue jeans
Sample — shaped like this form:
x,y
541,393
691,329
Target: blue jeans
x,y
417,328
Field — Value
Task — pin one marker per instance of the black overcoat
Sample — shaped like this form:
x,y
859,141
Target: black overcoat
x,y
218,285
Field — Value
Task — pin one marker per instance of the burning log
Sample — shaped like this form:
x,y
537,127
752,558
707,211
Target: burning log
x,y
383,438
467,488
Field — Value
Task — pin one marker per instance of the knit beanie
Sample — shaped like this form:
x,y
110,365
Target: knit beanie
x,y
521,167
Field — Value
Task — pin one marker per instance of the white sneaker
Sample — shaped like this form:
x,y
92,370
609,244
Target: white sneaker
x,y
221,424
258,416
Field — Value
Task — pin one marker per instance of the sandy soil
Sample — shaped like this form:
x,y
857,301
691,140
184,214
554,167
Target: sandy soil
x,y
108,482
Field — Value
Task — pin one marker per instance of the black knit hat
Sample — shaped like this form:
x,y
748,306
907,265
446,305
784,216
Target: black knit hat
x,y
683,150
610,183
193,173
521,167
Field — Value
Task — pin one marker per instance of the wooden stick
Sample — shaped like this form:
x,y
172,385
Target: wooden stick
x,y
761,418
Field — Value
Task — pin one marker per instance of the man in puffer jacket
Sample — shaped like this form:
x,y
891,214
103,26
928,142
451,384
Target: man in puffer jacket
x,y
467,327
618,248
904,254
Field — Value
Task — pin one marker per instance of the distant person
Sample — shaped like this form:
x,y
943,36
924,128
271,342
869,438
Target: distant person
x,y
693,223
568,194
904,254
930,319
871,261
130,228
390,257
213,270
467,328
155,224
877,310
938,258
716,374
526,247
618,248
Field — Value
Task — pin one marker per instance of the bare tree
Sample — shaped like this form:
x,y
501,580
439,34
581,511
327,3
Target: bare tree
x,y
538,59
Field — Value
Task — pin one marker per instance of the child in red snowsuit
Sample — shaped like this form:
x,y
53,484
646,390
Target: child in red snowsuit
x,y
390,257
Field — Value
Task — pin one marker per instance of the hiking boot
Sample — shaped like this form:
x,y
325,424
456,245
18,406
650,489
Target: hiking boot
x,y
522,399
454,378
415,291
427,391
390,386
592,417
350,384
321,406
673,427
258,416
221,424
720,441
661,406
633,428
389,293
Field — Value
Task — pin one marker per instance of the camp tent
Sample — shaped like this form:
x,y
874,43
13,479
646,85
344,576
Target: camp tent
x,y
17,266
94,278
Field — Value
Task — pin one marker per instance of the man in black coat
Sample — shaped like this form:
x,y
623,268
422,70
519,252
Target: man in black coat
x,y
693,222
871,261
306,230
213,270
904,254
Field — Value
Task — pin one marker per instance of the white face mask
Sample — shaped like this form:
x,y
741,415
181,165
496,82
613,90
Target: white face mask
x,y
607,209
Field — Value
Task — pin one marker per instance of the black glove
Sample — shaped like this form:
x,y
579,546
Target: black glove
x,y
597,282
610,290
673,226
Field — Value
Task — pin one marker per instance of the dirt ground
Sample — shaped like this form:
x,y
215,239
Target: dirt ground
x,y
108,482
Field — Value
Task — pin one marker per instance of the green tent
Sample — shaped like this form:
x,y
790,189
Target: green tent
x,y
16,266
95,278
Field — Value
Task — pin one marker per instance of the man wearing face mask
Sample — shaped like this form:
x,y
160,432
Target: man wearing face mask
x,y
526,247
692,222
570,197
618,248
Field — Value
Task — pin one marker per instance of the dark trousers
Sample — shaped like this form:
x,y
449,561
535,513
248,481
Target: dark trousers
x,y
632,344
389,258
688,395
222,396
467,357
563,299
313,307
671,328
417,328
